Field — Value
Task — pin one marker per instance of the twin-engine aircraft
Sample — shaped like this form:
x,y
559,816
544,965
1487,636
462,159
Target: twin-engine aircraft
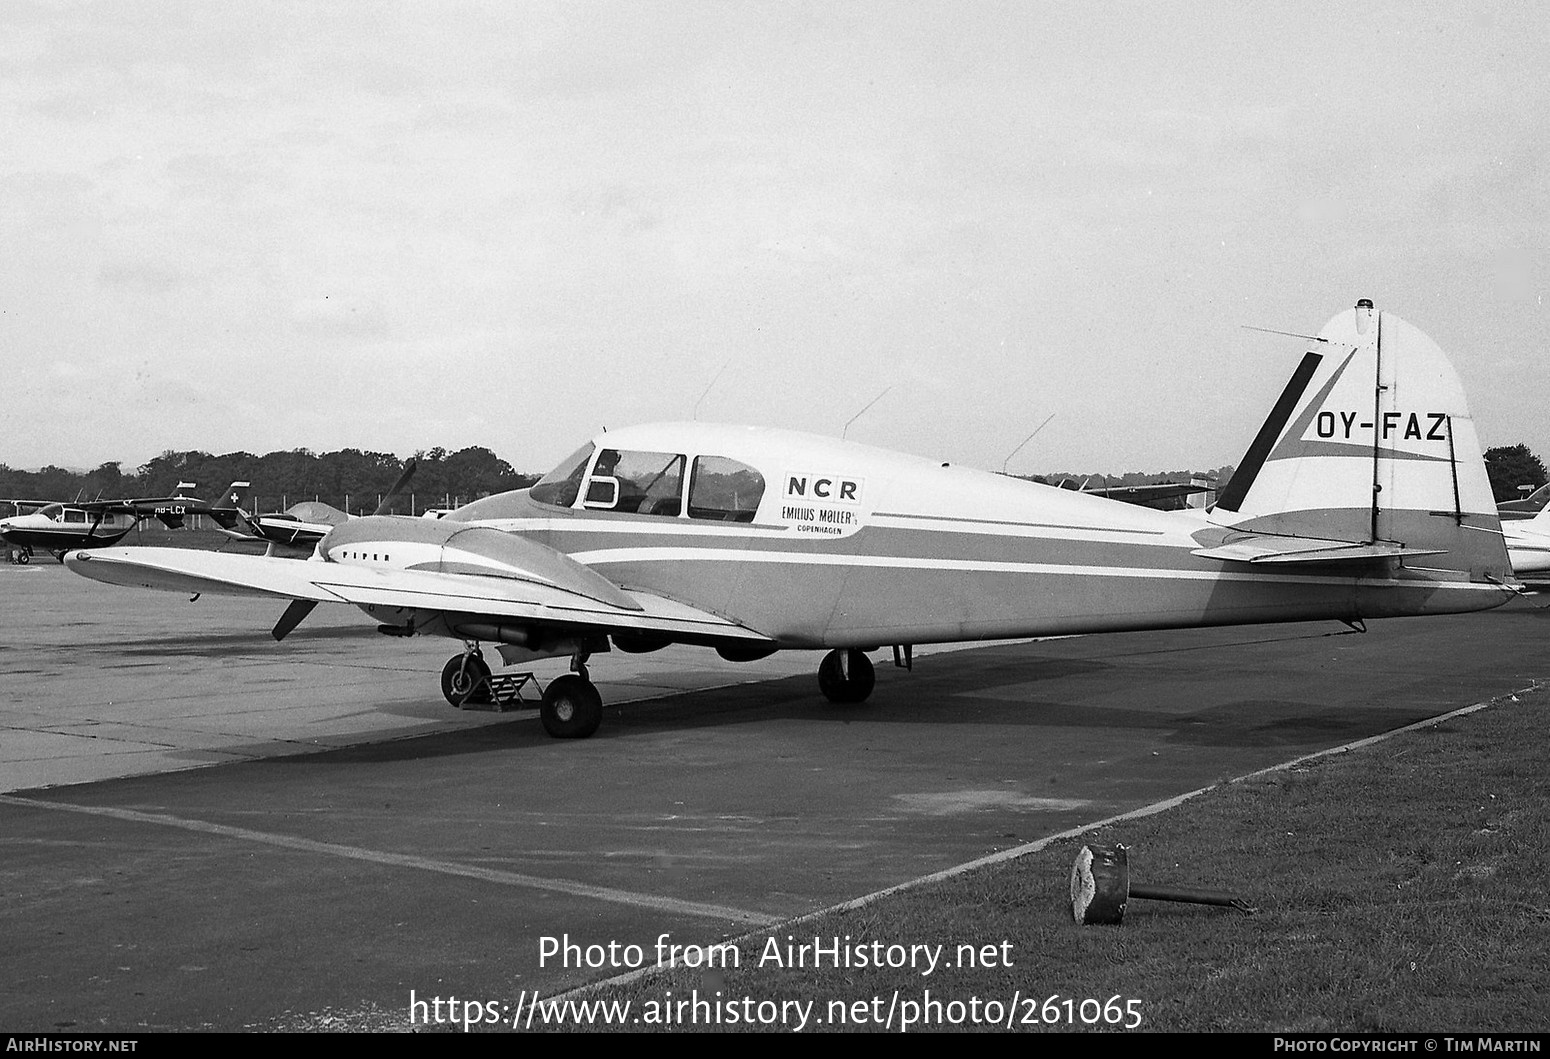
x,y
1363,496
59,528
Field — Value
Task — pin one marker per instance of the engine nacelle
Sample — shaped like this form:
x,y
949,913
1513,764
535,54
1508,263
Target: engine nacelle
x,y
458,548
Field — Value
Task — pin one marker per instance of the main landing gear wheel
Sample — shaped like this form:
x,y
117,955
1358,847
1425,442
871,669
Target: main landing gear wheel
x,y
846,676
572,707
23,557
466,679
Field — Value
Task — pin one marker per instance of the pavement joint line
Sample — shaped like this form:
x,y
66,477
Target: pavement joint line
x,y
1037,845
407,860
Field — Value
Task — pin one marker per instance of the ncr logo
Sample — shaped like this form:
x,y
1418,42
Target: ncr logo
x,y
824,488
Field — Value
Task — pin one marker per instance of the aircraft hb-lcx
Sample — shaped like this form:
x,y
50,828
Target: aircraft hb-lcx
x,y
1364,495
61,527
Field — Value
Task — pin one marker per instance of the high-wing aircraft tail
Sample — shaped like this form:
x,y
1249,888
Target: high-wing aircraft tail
x,y
1371,453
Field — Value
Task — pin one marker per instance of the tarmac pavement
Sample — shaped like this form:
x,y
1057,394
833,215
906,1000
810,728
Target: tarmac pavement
x,y
208,830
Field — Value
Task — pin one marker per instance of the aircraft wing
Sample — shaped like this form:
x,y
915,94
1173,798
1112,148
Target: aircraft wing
x,y
169,510
506,598
1527,507
1149,494
142,504
1268,548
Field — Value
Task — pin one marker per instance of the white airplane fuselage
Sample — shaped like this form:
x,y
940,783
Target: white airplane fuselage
x,y
851,546
1364,495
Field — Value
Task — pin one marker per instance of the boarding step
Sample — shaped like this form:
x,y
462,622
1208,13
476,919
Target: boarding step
x,y
506,693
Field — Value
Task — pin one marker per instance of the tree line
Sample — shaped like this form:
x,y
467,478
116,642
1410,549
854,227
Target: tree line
x,y
450,479
1510,468
348,479
1513,471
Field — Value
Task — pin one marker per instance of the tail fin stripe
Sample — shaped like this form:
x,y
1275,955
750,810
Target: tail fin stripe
x,y
1254,459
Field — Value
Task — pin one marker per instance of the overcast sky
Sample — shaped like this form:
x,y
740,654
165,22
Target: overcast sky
x,y
258,226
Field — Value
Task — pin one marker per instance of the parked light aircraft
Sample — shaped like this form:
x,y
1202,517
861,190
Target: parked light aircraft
x,y
1364,495
60,527
1165,496
1527,507
1528,546
301,525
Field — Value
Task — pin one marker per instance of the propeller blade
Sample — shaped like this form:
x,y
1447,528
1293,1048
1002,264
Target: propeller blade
x,y
398,487
293,616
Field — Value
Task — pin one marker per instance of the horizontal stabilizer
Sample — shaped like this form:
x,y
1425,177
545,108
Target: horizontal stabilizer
x,y
1271,549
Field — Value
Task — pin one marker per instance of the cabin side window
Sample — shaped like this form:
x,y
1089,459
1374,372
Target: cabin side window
x,y
73,515
724,490
646,483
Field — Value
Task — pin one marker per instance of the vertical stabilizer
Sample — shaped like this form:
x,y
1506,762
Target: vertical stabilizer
x,y
1372,442
234,508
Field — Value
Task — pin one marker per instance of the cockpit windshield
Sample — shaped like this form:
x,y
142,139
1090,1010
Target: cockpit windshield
x,y
562,485
641,482
52,512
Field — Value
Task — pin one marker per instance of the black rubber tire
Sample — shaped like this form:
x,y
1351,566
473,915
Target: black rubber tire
x,y
465,684
834,684
571,707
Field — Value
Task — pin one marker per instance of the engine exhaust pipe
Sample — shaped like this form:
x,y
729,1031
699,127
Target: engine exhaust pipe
x,y
516,635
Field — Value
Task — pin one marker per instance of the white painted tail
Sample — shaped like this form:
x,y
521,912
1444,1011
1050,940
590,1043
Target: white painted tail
x,y
1372,443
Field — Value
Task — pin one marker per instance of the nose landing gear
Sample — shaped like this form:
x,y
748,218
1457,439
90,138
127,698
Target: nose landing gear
x,y
571,707
465,680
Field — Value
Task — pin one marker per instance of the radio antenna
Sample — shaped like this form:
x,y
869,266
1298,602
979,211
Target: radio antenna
x,y
1289,334
1025,441
859,414
695,415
